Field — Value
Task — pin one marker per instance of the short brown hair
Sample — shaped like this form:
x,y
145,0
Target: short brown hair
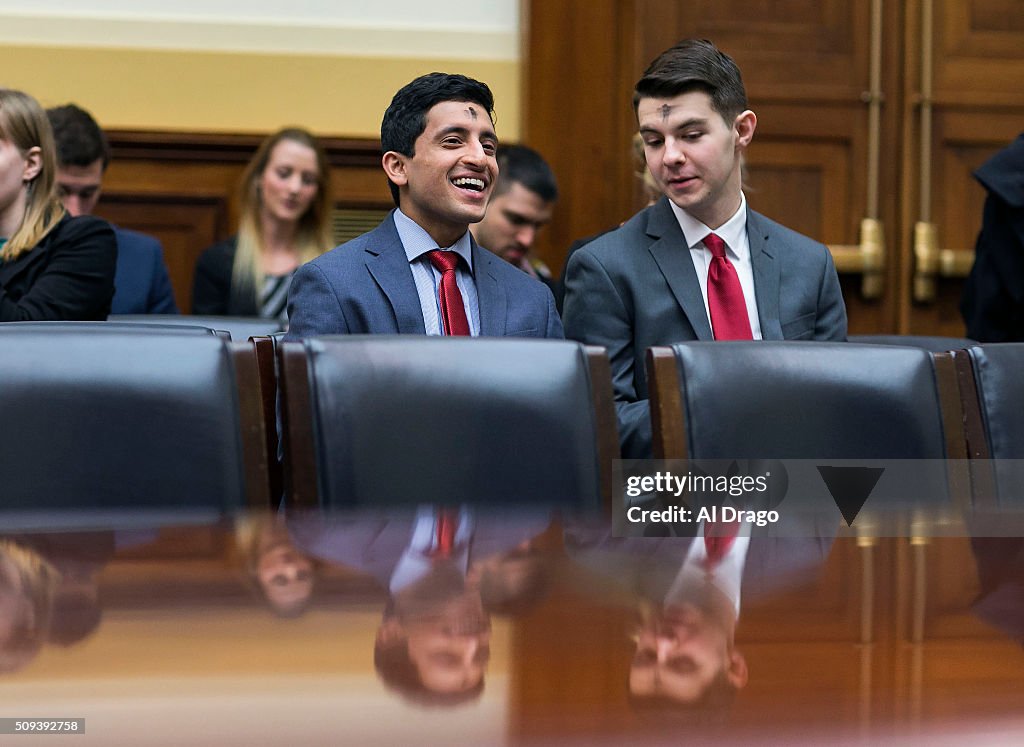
x,y
695,65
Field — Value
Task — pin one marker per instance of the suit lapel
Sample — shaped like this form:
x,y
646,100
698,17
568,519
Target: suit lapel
x,y
672,255
766,277
387,263
490,293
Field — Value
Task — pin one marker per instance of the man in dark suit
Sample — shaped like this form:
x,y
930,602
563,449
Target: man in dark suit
x,y
439,157
520,206
993,299
141,283
698,264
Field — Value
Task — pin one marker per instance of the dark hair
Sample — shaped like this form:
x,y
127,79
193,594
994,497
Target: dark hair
x,y
518,164
406,116
80,141
76,616
694,65
399,674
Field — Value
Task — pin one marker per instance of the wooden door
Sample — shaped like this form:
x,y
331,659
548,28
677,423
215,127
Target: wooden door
x,y
963,101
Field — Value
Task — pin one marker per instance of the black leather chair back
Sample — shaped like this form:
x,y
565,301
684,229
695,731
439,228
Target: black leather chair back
x,y
415,419
808,401
103,417
820,403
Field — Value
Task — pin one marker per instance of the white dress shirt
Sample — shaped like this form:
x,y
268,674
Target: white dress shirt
x,y
726,576
734,233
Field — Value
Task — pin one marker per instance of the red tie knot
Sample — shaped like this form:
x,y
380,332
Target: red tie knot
x,y
715,245
443,261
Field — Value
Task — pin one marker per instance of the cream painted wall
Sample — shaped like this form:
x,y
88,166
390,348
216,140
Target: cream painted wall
x,y
333,71
238,92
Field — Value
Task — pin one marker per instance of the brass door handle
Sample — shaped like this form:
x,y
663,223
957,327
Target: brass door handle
x,y
866,258
931,263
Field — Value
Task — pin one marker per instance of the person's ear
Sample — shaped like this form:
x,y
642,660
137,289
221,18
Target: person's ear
x,y
736,671
33,163
395,166
745,124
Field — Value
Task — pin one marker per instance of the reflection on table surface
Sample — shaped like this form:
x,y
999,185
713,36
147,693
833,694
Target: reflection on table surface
x,y
451,626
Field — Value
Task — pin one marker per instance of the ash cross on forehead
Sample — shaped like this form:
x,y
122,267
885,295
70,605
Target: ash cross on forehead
x,y
665,111
471,112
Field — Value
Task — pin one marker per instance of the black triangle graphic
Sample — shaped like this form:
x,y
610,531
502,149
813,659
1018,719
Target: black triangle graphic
x,y
850,487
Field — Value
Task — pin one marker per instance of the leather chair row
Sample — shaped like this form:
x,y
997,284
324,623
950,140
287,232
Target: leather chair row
x,y
366,420
126,415
143,416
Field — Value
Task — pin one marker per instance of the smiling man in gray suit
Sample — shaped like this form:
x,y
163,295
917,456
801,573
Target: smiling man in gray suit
x,y
698,264
420,271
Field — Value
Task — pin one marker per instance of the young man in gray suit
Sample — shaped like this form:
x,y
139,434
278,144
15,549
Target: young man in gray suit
x,y
420,271
698,264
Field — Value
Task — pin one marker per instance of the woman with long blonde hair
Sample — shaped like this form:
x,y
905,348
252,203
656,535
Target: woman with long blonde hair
x,y
52,266
285,221
28,586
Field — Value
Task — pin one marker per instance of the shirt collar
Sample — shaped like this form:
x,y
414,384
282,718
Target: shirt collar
x,y
417,242
731,232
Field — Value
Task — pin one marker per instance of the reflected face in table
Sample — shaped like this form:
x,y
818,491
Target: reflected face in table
x,y
450,649
286,577
681,653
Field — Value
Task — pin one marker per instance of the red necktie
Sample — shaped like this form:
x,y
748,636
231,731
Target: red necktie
x,y
447,524
718,538
453,312
729,319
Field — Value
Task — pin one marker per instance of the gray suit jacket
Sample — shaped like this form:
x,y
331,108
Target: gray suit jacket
x,y
636,287
365,286
373,542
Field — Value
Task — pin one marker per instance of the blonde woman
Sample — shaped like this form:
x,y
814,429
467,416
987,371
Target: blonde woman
x,y
28,585
280,574
52,266
285,206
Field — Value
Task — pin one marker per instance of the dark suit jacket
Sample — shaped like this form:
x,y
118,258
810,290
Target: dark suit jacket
x,y
365,286
993,299
68,276
141,284
636,287
211,288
